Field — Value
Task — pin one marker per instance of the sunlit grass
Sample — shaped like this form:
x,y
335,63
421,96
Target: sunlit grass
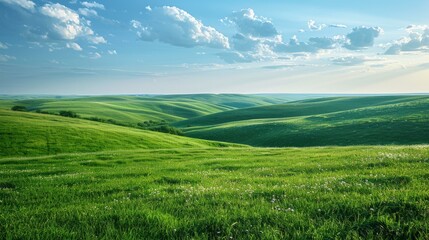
x,y
247,193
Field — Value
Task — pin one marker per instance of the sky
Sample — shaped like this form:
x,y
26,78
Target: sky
x,y
198,46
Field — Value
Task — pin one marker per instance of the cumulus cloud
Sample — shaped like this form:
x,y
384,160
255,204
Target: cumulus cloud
x,y
416,41
53,22
362,37
258,39
97,39
249,24
65,23
26,4
255,38
313,26
112,52
74,46
175,26
93,5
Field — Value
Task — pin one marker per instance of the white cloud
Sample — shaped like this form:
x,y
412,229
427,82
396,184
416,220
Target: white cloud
x,y
60,12
97,39
248,23
6,58
74,46
26,4
64,22
87,12
93,5
112,52
417,41
337,26
94,55
313,26
55,22
413,28
3,46
362,37
175,26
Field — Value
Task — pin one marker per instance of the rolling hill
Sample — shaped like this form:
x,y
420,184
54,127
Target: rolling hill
x,y
28,134
135,109
320,122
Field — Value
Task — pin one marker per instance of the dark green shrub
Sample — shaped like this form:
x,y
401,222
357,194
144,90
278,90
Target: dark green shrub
x,y
69,114
19,108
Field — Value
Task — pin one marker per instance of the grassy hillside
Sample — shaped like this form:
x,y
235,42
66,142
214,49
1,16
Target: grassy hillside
x,y
135,109
24,134
320,122
308,193
298,108
230,101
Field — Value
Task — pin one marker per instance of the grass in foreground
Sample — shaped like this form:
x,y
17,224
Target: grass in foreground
x,y
317,193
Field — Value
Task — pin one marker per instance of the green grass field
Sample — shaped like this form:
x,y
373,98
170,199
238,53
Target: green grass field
x,y
70,178
339,121
251,193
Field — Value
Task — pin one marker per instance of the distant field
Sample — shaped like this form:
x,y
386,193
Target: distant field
x,y
320,122
135,109
306,193
29,134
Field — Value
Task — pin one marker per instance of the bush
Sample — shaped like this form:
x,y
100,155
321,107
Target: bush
x,y
69,114
19,108
166,129
160,126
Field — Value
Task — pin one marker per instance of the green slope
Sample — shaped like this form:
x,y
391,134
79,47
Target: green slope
x,y
230,101
38,134
293,109
135,109
333,121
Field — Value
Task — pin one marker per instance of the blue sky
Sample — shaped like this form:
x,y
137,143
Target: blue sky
x,y
128,47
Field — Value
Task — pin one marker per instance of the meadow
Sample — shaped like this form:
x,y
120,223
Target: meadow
x,y
366,175
251,193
